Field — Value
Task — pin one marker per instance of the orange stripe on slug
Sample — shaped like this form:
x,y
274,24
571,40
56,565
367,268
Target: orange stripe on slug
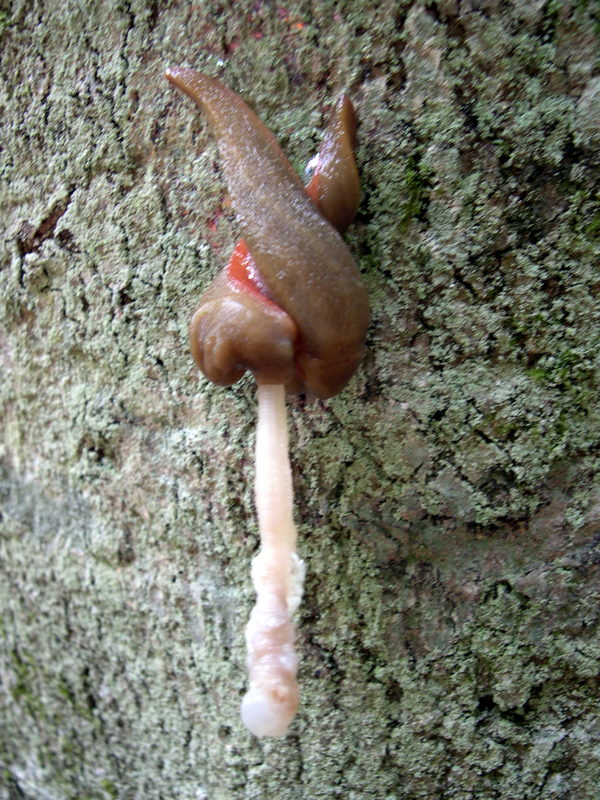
x,y
240,271
312,187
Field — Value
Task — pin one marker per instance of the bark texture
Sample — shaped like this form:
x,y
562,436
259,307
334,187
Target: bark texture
x,y
448,503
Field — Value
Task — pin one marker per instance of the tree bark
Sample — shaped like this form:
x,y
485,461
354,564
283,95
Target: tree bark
x,y
447,501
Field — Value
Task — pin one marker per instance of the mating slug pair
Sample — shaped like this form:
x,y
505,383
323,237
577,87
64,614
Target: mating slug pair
x,y
290,306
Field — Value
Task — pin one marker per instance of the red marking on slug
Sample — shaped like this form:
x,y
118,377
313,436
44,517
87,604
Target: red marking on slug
x,y
242,271
312,187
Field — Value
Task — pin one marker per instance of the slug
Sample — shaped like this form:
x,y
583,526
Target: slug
x,y
290,306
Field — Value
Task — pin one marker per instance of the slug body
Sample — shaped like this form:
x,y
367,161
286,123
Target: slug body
x,y
290,306
334,186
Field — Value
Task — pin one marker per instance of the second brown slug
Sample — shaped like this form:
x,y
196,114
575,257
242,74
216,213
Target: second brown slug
x,y
291,306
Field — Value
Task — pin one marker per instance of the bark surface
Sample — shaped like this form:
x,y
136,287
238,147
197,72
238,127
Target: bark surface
x,y
448,502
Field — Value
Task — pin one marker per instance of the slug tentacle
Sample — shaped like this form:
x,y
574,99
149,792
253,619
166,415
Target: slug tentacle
x,y
303,268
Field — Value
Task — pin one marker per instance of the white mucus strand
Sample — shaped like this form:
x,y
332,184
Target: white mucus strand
x,y
272,698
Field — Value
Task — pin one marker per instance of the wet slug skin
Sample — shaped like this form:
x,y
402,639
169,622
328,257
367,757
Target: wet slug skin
x,y
290,306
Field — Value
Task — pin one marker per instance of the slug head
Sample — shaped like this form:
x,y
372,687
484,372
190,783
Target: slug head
x,y
235,329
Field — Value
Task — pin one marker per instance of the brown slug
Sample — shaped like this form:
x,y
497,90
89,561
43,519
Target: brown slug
x,y
290,306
